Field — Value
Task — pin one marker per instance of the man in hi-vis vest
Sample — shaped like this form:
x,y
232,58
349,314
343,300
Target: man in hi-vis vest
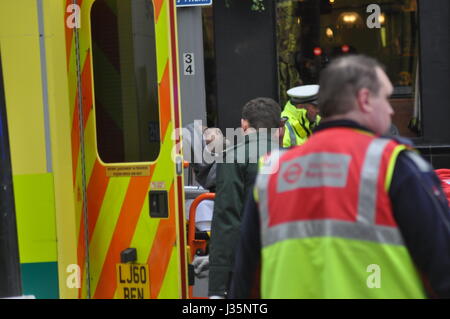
x,y
350,214
300,115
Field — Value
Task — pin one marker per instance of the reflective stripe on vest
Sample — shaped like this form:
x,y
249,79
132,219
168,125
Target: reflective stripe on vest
x,y
292,136
267,165
368,184
364,228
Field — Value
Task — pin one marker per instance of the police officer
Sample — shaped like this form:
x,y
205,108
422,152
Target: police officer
x,y
350,214
300,114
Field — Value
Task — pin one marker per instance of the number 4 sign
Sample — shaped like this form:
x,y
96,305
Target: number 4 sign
x,y
188,62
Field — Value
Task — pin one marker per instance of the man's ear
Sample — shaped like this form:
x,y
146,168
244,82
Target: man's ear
x,y
244,125
362,99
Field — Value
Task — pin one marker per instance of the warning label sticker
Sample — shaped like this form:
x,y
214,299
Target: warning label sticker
x,y
126,171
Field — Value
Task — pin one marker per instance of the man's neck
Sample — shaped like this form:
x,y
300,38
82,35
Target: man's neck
x,y
351,116
271,133
341,122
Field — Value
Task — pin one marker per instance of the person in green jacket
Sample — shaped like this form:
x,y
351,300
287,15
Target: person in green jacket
x,y
235,177
300,115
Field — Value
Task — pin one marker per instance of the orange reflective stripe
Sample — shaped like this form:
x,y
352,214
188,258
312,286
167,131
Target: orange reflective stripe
x,y
98,184
164,100
75,136
96,192
158,5
86,87
163,243
123,233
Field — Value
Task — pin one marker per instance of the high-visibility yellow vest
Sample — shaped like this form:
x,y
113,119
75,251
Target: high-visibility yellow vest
x,y
297,128
327,227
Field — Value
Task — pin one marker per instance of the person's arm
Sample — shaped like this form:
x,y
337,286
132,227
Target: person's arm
x,y
245,280
423,217
225,226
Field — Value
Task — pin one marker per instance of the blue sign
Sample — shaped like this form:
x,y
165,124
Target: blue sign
x,y
191,3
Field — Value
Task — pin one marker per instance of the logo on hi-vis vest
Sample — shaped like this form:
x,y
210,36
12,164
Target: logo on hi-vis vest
x,y
314,170
292,173
133,281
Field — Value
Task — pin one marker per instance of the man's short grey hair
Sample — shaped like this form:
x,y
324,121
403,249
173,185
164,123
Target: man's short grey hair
x,y
341,81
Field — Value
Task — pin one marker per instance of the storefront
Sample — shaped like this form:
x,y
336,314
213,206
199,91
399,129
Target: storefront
x,y
262,48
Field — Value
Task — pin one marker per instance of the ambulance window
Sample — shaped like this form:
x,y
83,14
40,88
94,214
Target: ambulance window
x,y
310,33
125,80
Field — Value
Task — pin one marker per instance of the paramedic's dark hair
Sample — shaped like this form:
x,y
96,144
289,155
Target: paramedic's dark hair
x,y
262,112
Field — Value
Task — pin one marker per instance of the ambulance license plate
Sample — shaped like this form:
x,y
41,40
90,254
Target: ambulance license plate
x,y
133,281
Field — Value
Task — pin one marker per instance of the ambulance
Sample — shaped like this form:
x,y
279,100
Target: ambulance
x,y
91,101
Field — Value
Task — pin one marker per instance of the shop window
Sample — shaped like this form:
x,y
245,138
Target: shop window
x,y
125,80
209,63
310,33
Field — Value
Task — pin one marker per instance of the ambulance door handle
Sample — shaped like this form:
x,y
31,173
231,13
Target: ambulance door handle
x,y
179,165
128,255
158,204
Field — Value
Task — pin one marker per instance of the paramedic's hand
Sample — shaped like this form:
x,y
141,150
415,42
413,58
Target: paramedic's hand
x,y
201,265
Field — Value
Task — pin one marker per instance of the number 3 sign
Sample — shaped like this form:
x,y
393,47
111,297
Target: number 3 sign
x,y
189,66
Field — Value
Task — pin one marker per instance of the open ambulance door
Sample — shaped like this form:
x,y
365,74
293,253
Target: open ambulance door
x,y
127,168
